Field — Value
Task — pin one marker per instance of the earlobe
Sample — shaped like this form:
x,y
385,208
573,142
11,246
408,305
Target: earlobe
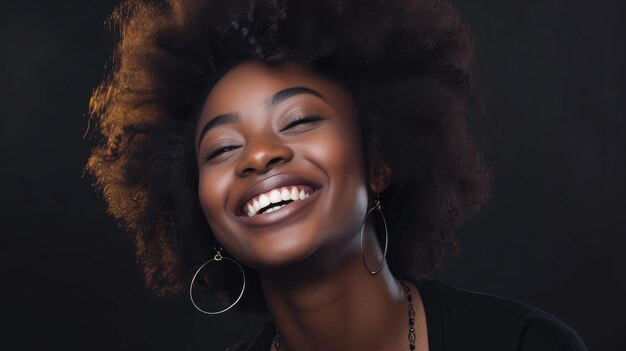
x,y
379,176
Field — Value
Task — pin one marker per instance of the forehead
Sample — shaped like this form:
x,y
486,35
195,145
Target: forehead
x,y
247,87
254,78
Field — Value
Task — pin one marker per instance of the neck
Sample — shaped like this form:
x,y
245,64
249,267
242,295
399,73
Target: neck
x,y
342,307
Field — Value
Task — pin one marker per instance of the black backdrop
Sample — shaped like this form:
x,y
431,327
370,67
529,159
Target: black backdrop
x,y
552,235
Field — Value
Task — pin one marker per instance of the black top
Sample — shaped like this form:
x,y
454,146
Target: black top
x,y
460,320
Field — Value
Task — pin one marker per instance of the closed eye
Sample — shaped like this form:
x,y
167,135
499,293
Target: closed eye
x,y
219,151
301,120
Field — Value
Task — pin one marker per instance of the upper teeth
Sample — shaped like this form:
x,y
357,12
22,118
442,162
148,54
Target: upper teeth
x,y
293,193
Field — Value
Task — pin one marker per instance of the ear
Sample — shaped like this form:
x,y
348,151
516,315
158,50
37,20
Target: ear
x,y
379,176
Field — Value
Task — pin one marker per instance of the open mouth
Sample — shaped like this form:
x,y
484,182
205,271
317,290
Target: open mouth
x,y
276,199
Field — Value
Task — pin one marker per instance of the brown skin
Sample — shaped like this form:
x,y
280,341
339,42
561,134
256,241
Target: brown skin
x,y
317,289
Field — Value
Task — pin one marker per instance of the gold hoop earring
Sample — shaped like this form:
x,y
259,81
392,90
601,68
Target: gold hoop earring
x,y
217,258
378,208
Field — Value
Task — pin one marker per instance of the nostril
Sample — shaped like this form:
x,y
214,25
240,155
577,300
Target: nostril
x,y
267,167
248,170
274,161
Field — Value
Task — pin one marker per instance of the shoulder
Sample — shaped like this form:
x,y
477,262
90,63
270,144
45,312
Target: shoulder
x,y
490,322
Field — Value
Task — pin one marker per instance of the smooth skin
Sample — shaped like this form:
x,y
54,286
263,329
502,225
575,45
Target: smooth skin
x,y
308,253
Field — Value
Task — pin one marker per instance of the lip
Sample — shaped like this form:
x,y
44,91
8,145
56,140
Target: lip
x,y
265,219
266,185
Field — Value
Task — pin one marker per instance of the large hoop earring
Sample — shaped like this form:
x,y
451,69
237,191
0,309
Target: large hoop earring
x,y
217,258
378,208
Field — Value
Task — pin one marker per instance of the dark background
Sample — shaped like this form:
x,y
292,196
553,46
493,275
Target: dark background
x,y
553,131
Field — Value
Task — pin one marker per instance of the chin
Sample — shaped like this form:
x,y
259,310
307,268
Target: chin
x,y
283,253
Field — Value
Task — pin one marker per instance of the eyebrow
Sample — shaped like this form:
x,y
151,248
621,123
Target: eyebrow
x,y
290,92
276,99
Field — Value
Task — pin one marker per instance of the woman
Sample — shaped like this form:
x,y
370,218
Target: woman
x,y
320,148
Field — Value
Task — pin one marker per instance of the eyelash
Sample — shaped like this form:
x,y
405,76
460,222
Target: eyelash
x,y
301,119
220,151
291,124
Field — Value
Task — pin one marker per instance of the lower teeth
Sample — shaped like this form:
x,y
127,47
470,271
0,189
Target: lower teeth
x,y
273,209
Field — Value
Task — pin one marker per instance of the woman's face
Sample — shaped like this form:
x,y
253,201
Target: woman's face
x,y
272,137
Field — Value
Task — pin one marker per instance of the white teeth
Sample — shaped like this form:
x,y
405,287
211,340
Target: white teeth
x,y
264,200
274,196
294,194
285,194
273,208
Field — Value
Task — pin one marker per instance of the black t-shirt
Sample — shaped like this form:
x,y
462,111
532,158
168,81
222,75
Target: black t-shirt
x,y
460,320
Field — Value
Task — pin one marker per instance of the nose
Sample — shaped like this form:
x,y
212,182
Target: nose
x,y
262,156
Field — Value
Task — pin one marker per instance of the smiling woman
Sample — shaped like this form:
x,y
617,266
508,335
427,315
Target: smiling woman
x,y
291,131
270,135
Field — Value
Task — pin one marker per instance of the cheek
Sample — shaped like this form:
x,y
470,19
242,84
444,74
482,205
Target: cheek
x,y
348,183
337,148
212,190
343,157
340,156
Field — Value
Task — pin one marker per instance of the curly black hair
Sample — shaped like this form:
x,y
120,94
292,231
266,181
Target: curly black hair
x,y
407,63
